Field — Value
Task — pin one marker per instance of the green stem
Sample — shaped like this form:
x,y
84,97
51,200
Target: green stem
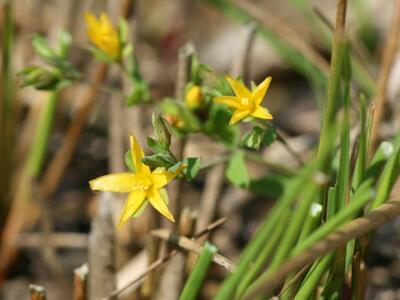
x,y
264,254
314,277
263,234
199,273
360,198
38,149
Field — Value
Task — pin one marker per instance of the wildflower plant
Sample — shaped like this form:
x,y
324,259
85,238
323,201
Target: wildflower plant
x,y
143,185
313,201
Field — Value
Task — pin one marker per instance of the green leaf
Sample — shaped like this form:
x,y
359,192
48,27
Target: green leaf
x,y
154,145
268,186
42,48
252,139
127,50
258,137
269,136
162,159
162,131
123,29
193,167
53,58
139,94
100,55
64,43
236,171
218,125
128,161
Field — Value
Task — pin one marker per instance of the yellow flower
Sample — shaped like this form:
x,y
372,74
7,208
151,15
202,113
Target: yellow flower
x,y
103,35
194,97
143,186
246,103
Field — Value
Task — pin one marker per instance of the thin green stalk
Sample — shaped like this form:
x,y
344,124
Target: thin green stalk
x,y
314,277
42,132
7,108
199,273
265,253
310,224
389,176
337,270
249,254
361,160
357,202
327,139
324,32
292,233
7,71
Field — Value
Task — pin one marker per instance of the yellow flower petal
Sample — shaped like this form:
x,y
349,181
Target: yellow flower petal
x,y
105,22
161,177
137,155
91,20
132,205
118,183
258,94
239,115
262,113
240,90
159,204
103,35
228,100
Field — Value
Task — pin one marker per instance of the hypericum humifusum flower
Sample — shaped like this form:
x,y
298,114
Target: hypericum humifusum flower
x,y
246,103
103,34
194,97
143,186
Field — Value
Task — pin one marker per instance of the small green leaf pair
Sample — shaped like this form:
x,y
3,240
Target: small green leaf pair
x,y
258,137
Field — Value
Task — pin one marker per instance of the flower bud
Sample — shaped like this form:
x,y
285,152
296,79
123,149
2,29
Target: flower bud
x,y
40,78
161,130
194,97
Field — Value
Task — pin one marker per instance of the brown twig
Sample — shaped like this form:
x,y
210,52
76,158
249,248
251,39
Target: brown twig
x,y
189,245
80,282
58,240
102,250
37,292
390,49
164,259
53,173
354,229
171,283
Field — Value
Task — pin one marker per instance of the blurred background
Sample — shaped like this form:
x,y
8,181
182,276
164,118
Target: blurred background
x,y
45,221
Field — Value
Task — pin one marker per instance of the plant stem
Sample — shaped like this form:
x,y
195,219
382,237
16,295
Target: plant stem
x,y
38,148
198,274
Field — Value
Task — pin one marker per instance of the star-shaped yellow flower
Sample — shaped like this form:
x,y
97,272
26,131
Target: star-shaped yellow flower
x,y
103,34
246,103
143,186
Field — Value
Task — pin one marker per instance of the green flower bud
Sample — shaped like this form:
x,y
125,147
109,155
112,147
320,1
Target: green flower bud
x,y
161,131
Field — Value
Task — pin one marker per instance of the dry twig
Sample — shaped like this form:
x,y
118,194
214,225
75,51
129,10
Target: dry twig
x,y
164,259
189,245
390,49
80,282
37,292
284,32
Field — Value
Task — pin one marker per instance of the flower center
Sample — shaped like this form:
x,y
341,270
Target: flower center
x,y
244,101
142,183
